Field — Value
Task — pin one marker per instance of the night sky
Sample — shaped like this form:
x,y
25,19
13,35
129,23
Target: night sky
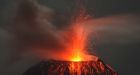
x,y
117,24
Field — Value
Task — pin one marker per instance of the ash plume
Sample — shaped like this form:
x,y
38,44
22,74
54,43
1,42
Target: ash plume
x,y
33,30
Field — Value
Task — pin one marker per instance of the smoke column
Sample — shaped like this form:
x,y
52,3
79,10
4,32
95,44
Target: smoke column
x,y
34,31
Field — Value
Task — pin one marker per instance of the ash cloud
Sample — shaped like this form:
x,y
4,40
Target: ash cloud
x,y
118,29
32,28
29,31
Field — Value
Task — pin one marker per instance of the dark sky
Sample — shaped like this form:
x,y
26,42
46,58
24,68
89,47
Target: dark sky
x,y
99,7
119,35
96,8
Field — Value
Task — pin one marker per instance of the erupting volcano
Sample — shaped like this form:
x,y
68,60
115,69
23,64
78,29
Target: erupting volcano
x,y
73,58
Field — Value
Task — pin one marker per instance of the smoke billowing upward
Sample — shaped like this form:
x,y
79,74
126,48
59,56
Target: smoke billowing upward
x,y
32,28
34,31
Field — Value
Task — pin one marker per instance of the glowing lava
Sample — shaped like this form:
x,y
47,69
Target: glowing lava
x,y
78,40
77,58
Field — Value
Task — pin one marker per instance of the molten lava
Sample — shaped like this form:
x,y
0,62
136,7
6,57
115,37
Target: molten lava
x,y
76,58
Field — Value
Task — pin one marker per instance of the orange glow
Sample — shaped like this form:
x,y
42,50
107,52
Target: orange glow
x,y
78,40
76,50
75,38
77,57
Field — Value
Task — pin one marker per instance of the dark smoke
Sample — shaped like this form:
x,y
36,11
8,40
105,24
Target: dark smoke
x,y
32,29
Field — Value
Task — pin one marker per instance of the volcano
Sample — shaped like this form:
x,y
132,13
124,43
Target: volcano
x,y
74,58
57,67
67,46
